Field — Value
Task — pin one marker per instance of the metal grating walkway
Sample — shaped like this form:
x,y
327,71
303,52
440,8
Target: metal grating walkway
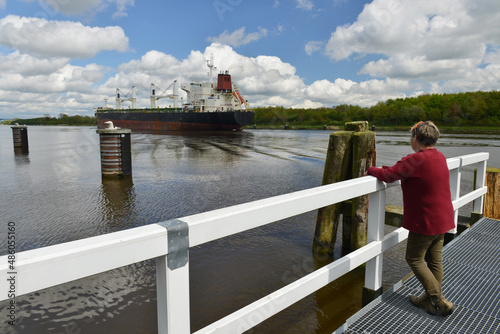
x,y
472,281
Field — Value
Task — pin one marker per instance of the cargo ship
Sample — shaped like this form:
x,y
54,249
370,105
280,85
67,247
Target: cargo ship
x,y
209,106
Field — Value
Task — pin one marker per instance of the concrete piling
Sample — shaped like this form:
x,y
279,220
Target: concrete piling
x,y
116,161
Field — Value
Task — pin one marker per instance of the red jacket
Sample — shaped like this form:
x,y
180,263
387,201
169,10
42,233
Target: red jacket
x,y
425,181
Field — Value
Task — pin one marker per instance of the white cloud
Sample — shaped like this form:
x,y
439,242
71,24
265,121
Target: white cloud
x,y
420,68
309,104
313,46
80,7
122,6
484,79
45,76
70,7
430,39
28,66
38,36
364,93
239,37
339,2
31,86
305,4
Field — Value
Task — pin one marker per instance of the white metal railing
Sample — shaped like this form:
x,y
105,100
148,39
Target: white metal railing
x,y
168,242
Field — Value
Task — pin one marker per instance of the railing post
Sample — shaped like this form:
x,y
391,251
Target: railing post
x,y
455,175
478,204
172,281
376,220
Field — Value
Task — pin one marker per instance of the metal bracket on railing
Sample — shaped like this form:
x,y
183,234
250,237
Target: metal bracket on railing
x,y
178,243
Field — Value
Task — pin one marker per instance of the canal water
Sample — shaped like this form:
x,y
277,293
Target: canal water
x,y
55,194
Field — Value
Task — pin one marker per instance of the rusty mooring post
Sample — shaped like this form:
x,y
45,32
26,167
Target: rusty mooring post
x,y
349,155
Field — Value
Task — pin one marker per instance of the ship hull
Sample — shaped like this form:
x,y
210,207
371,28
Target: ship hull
x,y
148,121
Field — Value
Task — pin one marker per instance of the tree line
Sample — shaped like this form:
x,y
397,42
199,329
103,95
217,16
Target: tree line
x,y
462,109
62,119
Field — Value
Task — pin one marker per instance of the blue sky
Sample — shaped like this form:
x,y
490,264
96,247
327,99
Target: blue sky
x,y
67,56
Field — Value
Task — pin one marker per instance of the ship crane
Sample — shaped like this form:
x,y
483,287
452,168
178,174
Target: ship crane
x,y
238,96
174,96
120,99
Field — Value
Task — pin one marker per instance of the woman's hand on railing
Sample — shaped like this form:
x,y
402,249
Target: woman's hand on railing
x,y
366,172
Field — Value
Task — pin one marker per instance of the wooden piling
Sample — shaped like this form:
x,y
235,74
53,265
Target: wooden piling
x,y
363,155
350,153
338,158
393,215
492,197
346,226
360,126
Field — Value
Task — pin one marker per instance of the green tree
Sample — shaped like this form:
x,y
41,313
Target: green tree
x,y
454,112
380,113
475,107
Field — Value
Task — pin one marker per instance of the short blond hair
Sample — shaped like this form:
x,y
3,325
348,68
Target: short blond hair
x,y
426,132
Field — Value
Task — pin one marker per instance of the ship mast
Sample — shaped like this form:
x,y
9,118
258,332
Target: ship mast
x,y
174,96
119,99
210,64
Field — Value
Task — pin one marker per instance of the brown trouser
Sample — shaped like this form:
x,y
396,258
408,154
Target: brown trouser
x,y
426,248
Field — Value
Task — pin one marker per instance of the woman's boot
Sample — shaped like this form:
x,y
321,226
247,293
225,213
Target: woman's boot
x,y
424,302
443,307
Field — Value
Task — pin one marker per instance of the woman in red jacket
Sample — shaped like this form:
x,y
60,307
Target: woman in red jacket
x,y
428,213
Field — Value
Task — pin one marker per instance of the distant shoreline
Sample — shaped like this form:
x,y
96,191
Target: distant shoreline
x,y
399,128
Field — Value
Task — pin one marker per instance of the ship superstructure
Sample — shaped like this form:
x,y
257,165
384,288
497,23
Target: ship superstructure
x,y
211,97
